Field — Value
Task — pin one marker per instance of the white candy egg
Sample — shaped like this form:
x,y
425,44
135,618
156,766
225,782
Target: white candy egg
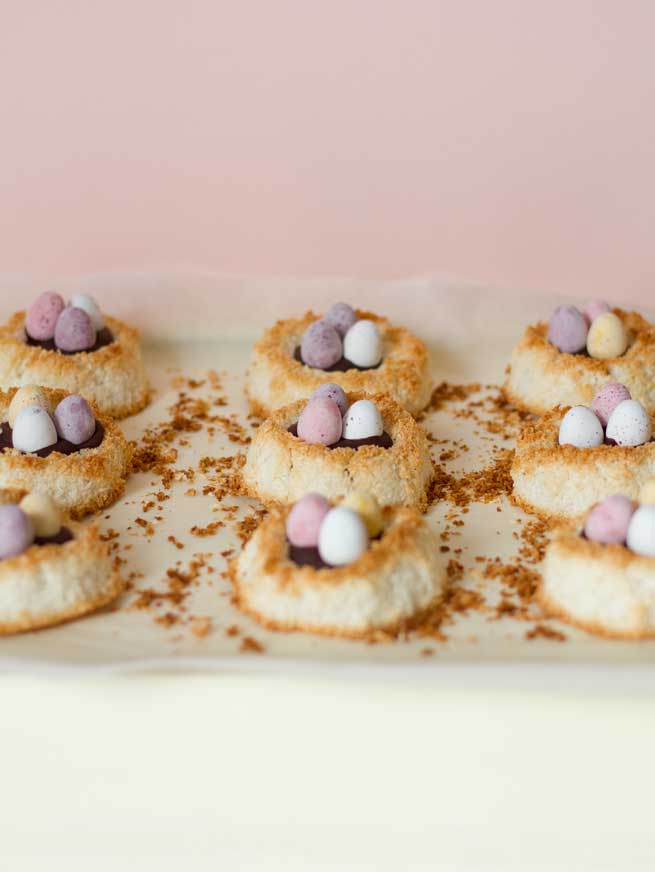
x,y
629,424
343,537
33,429
362,344
581,427
362,420
641,531
92,309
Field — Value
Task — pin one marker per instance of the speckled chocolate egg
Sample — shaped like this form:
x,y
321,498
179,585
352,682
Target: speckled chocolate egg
x,y
595,308
629,424
44,514
321,346
304,520
30,395
362,344
320,422
74,331
341,316
568,329
608,521
368,508
607,337
16,531
33,430
92,309
74,419
362,421
343,537
41,317
581,427
607,399
641,532
332,392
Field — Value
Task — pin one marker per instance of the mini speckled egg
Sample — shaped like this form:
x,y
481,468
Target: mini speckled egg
x,y
641,532
42,315
74,419
581,427
16,531
607,337
607,399
92,309
362,421
74,331
33,430
362,344
368,508
647,492
30,395
305,519
343,537
321,346
608,521
332,392
341,316
44,514
595,308
629,424
320,422
567,330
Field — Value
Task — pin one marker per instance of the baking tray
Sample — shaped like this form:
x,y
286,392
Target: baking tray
x,y
198,331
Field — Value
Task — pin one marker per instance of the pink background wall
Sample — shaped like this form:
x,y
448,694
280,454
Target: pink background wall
x,y
506,141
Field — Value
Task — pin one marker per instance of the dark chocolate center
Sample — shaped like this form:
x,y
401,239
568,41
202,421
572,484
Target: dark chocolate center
x,y
103,337
63,446
64,535
342,365
384,441
311,556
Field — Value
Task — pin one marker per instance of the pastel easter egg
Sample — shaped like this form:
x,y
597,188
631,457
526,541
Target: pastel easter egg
x,y
608,521
341,316
567,329
607,399
305,519
641,532
607,337
74,419
41,317
30,395
332,392
33,430
321,346
362,421
595,308
44,514
362,344
581,427
368,508
92,309
74,331
629,424
343,537
16,531
320,422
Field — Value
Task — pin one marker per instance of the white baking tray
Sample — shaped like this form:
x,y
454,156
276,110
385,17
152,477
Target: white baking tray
x,y
196,323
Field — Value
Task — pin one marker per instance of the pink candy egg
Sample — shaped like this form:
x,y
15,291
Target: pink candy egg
x,y
607,399
74,331
609,520
42,315
321,346
595,308
320,422
568,329
305,519
333,392
341,316
74,419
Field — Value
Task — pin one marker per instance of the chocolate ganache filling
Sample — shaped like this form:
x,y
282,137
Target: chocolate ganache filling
x,y
64,535
384,441
103,337
342,365
311,556
63,446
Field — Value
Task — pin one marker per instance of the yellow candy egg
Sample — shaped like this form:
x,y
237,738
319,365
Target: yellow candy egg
x,y
368,508
30,395
44,514
647,492
607,337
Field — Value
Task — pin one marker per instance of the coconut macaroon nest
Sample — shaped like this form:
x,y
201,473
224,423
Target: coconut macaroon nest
x,y
281,468
83,481
394,580
52,582
541,376
562,482
277,378
112,376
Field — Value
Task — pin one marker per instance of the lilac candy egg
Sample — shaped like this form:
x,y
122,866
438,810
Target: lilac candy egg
x,y
42,315
332,392
568,329
320,422
305,519
74,330
341,316
74,419
321,346
607,399
16,531
609,520
595,308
